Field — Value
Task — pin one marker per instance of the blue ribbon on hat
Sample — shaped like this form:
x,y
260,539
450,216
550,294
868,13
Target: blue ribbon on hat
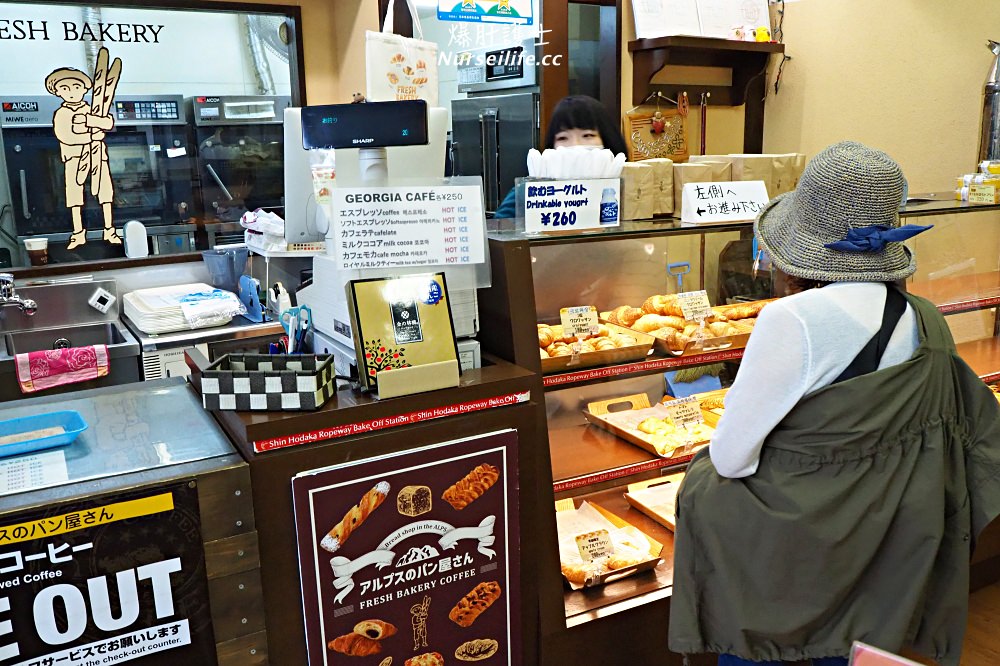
x,y
874,238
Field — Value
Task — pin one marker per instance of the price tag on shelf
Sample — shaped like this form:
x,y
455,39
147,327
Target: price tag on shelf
x,y
982,193
685,411
695,305
580,321
594,545
571,205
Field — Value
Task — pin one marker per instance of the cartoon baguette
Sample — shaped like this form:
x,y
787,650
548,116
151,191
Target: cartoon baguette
x,y
370,501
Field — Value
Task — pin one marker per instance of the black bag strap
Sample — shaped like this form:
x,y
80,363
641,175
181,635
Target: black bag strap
x,y
870,355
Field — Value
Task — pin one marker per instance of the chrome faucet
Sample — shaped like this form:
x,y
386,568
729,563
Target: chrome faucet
x,y
8,296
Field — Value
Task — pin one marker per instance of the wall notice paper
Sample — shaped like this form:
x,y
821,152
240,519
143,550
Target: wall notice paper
x,y
722,19
571,205
413,557
704,203
485,11
384,227
662,18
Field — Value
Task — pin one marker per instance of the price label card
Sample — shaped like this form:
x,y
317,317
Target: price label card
x,y
695,305
982,193
571,205
580,321
685,411
594,545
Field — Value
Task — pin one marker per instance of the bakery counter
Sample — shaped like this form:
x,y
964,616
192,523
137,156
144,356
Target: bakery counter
x,y
355,428
642,588
983,356
962,293
586,457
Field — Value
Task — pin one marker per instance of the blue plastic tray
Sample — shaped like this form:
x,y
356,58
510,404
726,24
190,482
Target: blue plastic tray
x,y
70,421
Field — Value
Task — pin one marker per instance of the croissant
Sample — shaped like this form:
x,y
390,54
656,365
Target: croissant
x,y
355,645
370,501
713,403
652,322
470,487
629,316
658,304
374,629
545,336
719,328
615,316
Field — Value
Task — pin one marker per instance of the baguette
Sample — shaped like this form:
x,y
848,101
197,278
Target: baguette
x,y
370,501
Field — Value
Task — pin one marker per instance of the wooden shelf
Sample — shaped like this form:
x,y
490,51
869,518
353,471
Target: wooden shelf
x,y
592,603
747,60
650,366
584,456
963,293
983,356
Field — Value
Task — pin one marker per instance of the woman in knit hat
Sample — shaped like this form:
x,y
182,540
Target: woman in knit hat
x,y
858,455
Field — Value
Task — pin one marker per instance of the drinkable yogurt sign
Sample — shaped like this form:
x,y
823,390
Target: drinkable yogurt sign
x,y
112,580
571,205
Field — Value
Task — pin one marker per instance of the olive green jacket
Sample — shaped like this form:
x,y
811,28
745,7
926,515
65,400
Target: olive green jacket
x,y
858,524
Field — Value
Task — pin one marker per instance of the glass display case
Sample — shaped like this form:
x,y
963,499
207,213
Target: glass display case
x,y
537,275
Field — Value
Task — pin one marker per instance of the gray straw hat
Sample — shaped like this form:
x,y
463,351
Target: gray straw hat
x,y
841,224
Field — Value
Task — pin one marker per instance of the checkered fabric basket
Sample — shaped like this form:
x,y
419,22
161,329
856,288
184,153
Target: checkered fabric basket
x,y
269,382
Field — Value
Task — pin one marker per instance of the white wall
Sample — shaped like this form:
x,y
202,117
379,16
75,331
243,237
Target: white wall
x,y
199,53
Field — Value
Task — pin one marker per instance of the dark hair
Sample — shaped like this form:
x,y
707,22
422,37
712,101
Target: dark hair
x,y
583,112
795,284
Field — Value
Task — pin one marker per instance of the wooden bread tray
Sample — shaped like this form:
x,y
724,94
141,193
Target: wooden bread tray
x,y
636,352
603,415
655,547
663,514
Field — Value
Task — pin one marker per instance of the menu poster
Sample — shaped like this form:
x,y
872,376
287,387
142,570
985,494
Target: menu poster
x,y
109,580
413,556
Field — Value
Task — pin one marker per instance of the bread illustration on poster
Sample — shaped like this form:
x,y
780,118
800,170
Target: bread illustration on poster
x,y
81,128
418,619
353,519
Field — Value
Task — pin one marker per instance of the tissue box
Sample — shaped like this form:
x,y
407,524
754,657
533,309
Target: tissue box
x,y
268,382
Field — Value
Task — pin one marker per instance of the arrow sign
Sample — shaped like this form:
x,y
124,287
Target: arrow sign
x,y
739,201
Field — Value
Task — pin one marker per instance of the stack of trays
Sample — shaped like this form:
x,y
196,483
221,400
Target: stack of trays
x,y
158,310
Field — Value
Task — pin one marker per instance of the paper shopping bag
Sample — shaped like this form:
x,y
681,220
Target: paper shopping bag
x,y
400,68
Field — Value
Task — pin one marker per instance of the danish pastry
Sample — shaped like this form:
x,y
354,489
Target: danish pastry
x,y
472,605
425,659
469,488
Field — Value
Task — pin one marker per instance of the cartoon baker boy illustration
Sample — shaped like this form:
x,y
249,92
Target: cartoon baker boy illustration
x,y
80,128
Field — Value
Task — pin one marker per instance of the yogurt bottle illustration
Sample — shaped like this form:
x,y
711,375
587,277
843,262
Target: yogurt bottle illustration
x,y
609,207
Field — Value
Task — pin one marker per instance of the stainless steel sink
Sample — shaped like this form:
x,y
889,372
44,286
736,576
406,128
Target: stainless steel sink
x,y
123,350
85,335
